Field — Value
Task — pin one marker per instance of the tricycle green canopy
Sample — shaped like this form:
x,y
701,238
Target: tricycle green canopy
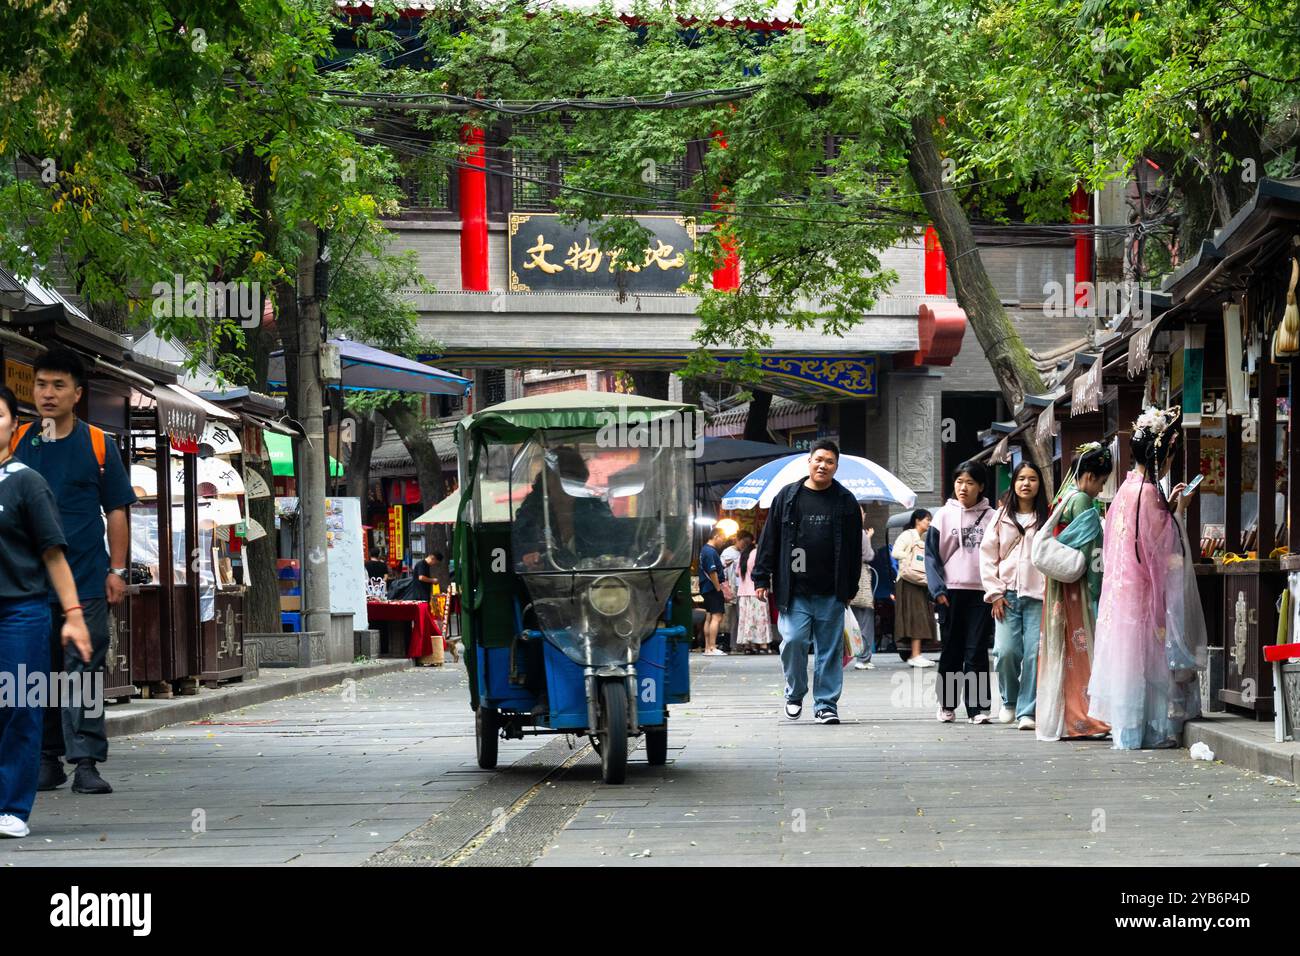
x,y
514,421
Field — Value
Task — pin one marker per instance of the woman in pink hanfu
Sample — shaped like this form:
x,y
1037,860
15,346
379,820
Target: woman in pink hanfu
x,y
1150,629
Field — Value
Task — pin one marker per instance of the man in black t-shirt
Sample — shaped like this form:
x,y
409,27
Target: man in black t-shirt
x,y
809,561
376,567
429,572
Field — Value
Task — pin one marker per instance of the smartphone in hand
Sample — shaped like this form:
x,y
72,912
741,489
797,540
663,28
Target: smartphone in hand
x,y
1193,485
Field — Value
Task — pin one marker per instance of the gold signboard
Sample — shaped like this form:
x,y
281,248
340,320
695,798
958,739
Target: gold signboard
x,y
546,254
19,377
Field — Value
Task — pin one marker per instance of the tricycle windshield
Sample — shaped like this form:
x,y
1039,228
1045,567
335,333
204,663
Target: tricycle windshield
x,y
600,537
592,506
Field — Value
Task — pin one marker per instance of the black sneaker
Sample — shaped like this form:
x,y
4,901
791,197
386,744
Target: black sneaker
x,y
87,779
826,716
793,709
52,776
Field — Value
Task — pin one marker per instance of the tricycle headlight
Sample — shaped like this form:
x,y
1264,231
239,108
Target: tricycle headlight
x,y
609,595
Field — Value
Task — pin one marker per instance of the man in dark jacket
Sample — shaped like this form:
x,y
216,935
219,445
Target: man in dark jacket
x,y
809,561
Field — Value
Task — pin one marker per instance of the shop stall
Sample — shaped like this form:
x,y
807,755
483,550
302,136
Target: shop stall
x,y
1220,341
155,636
238,449
1230,301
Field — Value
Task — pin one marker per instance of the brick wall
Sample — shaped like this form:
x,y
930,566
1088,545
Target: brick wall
x,y
574,383
437,247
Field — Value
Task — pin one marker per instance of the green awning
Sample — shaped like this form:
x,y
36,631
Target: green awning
x,y
280,448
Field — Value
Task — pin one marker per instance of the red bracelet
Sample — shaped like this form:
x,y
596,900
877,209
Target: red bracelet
x,y
69,610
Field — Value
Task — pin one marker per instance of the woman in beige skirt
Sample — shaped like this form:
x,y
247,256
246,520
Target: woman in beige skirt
x,y
754,627
913,615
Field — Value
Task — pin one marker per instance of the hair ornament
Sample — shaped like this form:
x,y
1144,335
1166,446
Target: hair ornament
x,y
1154,422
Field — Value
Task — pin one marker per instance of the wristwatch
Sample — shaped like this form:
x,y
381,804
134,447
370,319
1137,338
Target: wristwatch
x,y
120,572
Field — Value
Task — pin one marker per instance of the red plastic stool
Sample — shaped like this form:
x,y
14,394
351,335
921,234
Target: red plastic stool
x,y
1276,654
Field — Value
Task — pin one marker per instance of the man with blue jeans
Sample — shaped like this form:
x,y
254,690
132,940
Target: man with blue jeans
x,y
809,560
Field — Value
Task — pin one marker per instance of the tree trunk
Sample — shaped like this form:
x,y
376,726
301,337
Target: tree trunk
x,y
428,466
363,448
262,603
299,321
756,417
975,293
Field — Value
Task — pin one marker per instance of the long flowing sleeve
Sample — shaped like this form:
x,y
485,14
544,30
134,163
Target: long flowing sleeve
x,y
1082,514
1157,545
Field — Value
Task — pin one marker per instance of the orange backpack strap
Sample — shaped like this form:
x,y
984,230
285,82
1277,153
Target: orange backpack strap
x,y
99,442
17,436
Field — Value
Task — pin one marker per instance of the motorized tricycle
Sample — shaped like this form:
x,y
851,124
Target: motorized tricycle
x,y
573,547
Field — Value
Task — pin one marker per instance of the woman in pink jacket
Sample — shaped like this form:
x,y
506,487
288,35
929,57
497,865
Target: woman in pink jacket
x,y
1014,587
952,571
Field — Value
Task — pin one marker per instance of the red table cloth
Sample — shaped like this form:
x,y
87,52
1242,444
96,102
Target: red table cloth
x,y
424,626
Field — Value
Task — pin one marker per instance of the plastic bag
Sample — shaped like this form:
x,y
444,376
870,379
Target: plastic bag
x,y
853,644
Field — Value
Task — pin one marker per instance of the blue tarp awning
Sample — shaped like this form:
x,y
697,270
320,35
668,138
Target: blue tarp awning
x,y
368,369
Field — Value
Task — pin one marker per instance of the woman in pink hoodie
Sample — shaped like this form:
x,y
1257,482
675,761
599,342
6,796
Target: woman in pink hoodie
x,y
952,570
1013,587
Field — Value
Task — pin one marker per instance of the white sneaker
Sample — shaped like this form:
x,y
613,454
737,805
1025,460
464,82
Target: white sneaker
x,y
863,666
945,716
11,826
715,653
1026,723
920,661
1006,715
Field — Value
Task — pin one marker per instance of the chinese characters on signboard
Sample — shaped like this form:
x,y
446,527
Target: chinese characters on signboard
x,y
18,376
548,255
396,530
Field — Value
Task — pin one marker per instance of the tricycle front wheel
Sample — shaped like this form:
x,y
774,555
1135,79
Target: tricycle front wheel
x,y
613,732
487,734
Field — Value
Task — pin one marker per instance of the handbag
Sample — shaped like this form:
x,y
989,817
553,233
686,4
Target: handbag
x,y
1058,561
864,596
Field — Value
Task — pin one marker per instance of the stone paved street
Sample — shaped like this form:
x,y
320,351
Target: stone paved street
x,y
382,772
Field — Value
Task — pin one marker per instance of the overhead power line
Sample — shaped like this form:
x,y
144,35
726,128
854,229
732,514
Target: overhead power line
x,y
454,103
895,218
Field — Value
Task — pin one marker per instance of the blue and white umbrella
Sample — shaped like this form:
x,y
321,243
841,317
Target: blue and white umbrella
x,y
862,476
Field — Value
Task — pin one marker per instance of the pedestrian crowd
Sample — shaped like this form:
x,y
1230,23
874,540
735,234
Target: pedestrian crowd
x,y
1093,621
1091,617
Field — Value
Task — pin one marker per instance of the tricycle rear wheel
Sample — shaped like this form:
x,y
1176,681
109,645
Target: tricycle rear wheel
x,y
487,734
613,732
